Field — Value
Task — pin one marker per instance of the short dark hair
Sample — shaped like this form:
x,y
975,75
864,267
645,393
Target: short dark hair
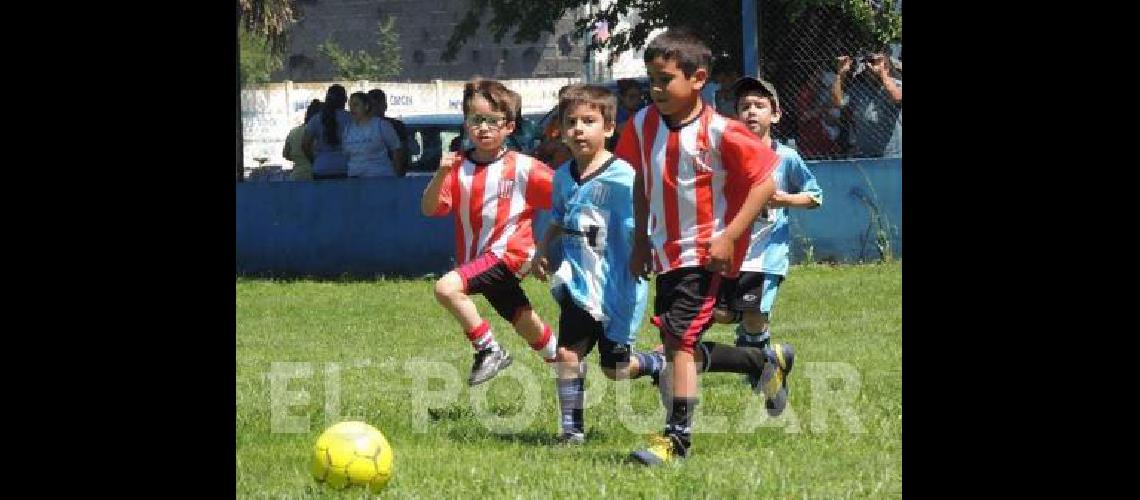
x,y
595,96
499,96
683,46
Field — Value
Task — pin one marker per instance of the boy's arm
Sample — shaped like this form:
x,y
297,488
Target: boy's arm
x,y
641,260
541,265
748,162
722,246
431,203
540,185
805,191
781,199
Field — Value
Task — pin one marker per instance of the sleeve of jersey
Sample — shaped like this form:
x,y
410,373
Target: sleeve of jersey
x,y
627,147
540,183
806,183
447,192
557,200
744,156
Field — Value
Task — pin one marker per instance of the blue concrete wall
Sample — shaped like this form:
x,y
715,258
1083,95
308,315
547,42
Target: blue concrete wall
x,y
370,227
840,230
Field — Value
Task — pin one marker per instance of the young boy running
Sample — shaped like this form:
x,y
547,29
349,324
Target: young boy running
x,y
701,181
592,226
494,192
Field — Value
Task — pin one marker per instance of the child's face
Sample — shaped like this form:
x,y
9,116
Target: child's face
x,y
584,130
486,127
755,110
668,87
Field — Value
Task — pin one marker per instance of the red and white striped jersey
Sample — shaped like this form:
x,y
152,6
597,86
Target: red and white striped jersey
x,y
494,204
696,177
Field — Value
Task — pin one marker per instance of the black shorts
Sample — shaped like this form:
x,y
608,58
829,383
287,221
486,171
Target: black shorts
x,y
742,293
578,331
683,308
489,276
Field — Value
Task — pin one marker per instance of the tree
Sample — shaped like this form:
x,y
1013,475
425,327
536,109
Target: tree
x,y
258,60
530,19
360,64
269,19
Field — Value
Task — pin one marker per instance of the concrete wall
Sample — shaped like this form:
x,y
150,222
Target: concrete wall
x,y
369,227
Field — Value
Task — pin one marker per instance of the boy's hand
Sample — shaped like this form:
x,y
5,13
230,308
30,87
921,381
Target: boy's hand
x,y
778,200
539,267
720,254
641,260
447,161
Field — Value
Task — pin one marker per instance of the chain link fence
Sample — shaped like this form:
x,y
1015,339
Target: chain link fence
x,y
804,54
802,51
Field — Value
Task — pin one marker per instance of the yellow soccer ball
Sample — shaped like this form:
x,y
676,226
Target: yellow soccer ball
x,y
352,453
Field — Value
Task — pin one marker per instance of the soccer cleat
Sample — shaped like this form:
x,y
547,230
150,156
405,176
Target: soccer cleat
x,y
572,438
488,363
773,378
660,451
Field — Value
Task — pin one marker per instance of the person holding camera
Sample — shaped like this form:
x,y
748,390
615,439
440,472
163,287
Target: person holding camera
x,y
874,100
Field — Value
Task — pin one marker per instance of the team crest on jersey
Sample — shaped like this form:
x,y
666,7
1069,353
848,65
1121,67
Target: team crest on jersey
x,y
702,160
506,188
600,195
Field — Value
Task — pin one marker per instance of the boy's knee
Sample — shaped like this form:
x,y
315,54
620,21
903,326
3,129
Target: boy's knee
x,y
568,363
755,321
447,287
725,316
566,355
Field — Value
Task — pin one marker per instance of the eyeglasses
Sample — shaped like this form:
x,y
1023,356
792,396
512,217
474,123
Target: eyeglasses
x,y
492,122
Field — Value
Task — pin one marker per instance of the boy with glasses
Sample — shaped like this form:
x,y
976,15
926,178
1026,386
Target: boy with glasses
x,y
494,192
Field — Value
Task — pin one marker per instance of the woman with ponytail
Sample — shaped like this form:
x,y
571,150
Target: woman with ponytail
x,y
324,134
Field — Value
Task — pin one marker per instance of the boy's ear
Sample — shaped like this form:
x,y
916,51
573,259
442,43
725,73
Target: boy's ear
x,y
699,78
776,116
610,128
509,127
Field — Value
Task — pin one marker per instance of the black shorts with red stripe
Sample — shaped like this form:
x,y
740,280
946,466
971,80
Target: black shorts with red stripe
x,y
683,308
488,275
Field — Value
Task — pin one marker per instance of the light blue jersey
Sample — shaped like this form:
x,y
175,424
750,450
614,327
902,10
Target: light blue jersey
x,y
768,250
596,216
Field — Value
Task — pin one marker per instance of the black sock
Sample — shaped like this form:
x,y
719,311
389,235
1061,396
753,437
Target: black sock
x,y
679,423
726,358
571,393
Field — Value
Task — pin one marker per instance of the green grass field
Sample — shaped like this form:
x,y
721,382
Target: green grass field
x,y
352,351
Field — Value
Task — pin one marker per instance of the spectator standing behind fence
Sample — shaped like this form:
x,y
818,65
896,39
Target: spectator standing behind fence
x,y
370,142
725,74
874,98
408,145
302,166
817,118
323,136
